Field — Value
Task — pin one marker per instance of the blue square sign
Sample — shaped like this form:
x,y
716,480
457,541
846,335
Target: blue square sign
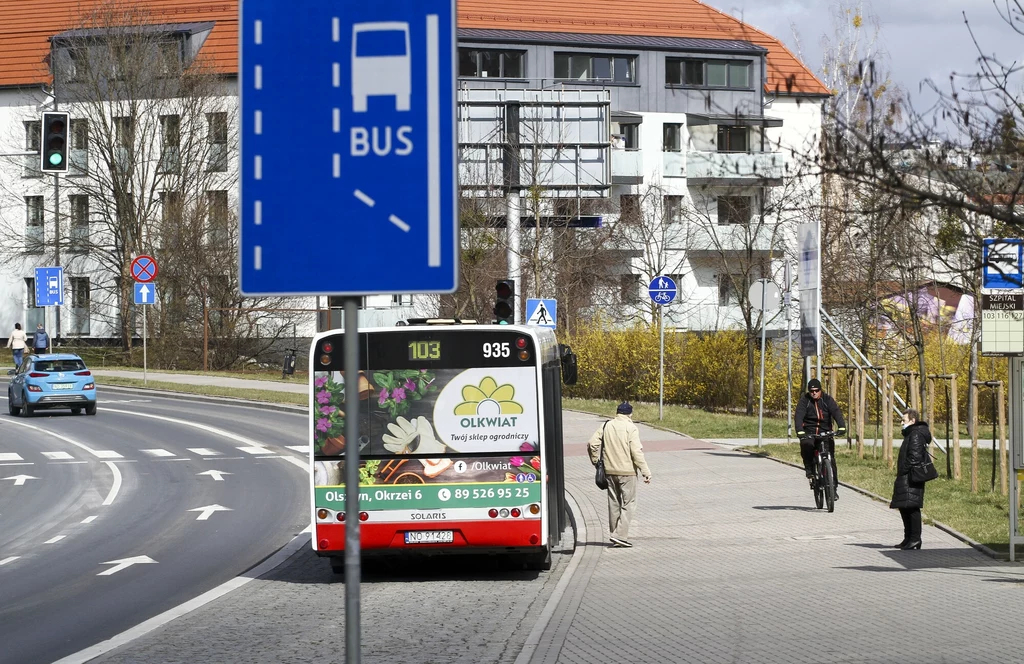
x,y
145,293
349,188
49,286
1003,261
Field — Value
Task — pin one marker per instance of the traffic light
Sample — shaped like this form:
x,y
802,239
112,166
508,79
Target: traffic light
x,y
505,301
54,154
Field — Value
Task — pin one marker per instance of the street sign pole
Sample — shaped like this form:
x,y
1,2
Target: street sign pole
x,y
662,290
764,326
144,335
352,551
661,366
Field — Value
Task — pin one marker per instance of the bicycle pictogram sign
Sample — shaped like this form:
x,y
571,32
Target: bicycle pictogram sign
x,y
144,269
662,290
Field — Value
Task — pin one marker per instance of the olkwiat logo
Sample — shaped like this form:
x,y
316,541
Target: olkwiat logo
x,y
488,405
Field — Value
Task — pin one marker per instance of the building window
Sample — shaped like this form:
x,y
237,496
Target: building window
x,y
170,136
673,208
78,65
217,137
33,314
728,285
401,300
733,139
122,142
32,169
218,221
629,208
170,57
589,67
79,240
625,136
629,288
491,63
708,73
78,159
80,298
672,137
34,224
170,219
734,210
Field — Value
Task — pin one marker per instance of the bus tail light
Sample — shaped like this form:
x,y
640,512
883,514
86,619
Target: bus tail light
x,y
324,544
524,355
516,512
325,359
493,513
535,509
328,347
534,539
322,514
363,516
503,513
341,516
521,343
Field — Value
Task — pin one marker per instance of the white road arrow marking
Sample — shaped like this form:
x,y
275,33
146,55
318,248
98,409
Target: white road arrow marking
x,y
208,510
20,479
119,565
217,475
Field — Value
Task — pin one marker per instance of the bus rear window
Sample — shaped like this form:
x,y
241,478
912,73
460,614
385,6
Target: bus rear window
x,y
380,43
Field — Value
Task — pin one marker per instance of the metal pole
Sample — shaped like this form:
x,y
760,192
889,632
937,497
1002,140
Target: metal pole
x,y
144,335
661,365
512,233
352,553
789,357
764,326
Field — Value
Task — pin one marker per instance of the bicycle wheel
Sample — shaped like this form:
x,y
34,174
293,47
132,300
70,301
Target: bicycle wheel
x,y
829,488
819,495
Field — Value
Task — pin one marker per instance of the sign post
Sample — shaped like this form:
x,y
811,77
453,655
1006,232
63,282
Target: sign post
x,y
763,293
662,291
375,160
144,271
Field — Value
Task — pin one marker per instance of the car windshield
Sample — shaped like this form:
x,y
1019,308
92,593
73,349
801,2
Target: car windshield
x,y
50,366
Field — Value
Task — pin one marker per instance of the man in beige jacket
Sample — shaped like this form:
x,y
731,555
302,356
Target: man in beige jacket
x,y
623,457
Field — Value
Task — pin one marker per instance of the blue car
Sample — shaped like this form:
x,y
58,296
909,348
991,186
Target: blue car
x,y
58,380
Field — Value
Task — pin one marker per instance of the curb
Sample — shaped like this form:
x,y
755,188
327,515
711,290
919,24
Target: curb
x,y
981,548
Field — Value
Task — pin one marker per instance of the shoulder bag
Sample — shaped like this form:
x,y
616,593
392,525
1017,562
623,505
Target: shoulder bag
x,y
601,479
923,472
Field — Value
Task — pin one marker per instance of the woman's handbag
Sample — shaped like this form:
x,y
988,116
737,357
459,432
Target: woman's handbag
x,y
923,472
600,479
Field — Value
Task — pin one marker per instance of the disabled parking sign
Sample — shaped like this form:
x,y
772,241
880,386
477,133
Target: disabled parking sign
x,y
354,190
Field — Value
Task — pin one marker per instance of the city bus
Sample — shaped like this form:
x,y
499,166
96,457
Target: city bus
x,y
460,441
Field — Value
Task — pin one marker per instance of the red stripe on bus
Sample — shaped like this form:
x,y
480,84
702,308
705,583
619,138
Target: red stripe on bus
x,y
467,534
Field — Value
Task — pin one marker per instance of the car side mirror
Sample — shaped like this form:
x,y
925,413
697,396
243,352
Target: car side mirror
x,y
11,372
570,371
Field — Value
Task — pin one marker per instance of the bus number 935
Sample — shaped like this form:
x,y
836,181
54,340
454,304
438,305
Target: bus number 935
x,y
498,349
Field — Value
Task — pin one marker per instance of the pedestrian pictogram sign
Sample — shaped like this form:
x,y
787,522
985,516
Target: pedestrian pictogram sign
x,y
144,269
542,313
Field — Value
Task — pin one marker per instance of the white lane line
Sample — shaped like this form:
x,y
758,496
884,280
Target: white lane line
x,y
54,540
337,165
433,143
257,212
89,519
53,456
398,222
157,452
258,257
255,450
335,29
107,454
301,449
257,124
117,483
18,463
10,456
258,167
364,198
258,32
258,78
336,74
8,560
336,121
249,442
203,451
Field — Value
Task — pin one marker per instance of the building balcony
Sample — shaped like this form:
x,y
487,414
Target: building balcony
x,y
627,167
727,168
724,238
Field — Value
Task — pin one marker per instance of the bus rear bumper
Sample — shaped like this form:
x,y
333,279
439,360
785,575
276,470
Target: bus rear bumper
x,y
467,537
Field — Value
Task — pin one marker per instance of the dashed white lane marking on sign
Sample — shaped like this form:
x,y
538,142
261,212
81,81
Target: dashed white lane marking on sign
x,y
89,519
336,121
336,29
257,212
433,142
258,168
106,454
337,165
157,452
364,198
336,74
398,222
258,78
203,451
257,122
10,456
257,259
54,456
54,540
8,560
258,32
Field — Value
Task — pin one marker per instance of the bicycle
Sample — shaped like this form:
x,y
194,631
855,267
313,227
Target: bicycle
x,y
662,297
824,481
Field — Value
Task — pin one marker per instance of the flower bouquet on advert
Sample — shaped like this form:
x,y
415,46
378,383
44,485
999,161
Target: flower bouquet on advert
x,y
524,465
329,416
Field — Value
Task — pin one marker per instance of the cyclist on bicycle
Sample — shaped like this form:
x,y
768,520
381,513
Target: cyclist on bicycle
x,y
815,412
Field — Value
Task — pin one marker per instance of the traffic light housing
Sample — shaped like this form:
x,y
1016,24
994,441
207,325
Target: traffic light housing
x,y
505,301
54,143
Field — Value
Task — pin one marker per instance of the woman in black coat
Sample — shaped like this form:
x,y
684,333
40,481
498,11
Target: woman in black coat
x,y
908,496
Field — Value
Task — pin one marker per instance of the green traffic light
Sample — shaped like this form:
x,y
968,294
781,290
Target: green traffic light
x,y
55,159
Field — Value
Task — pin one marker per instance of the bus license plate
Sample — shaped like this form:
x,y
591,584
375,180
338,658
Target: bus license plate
x,y
63,386
429,537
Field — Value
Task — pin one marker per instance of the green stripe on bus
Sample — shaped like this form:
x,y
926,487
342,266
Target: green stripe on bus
x,y
432,496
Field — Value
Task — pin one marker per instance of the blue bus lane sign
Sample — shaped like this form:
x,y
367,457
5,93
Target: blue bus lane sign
x,y
353,191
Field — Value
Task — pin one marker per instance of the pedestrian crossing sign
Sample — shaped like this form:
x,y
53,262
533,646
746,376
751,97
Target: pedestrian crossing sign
x,y
541,312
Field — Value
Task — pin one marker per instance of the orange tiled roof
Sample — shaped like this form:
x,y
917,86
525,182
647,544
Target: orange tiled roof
x,y
26,25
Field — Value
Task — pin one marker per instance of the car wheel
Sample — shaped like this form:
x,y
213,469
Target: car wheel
x,y
26,410
76,411
90,409
11,408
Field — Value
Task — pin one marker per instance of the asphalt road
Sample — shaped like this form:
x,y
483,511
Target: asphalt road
x,y
134,484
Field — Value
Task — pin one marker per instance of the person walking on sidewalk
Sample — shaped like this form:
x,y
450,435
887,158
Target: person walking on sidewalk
x,y
41,340
816,412
907,495
623,457
17,342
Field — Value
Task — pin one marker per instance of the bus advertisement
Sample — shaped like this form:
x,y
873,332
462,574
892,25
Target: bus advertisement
x,y
460,441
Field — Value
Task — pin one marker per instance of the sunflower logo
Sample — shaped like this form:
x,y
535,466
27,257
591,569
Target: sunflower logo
x,y
488,398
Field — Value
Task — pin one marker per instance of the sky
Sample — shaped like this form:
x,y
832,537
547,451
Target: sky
x,y
923,38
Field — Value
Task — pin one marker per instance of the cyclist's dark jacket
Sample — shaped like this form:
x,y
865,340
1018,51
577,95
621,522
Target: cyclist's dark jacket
x,y
814,416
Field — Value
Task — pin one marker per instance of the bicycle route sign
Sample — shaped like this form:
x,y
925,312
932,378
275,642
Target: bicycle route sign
x,y
662,290
144,269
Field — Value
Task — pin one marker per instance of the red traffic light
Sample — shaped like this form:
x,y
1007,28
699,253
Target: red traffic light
x,y
504,289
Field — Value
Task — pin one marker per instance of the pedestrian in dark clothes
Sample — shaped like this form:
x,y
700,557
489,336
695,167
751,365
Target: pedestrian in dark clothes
x,y
907,495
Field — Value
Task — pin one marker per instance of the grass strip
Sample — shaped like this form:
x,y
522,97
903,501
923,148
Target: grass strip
x,y
691,421
269,396
982,516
